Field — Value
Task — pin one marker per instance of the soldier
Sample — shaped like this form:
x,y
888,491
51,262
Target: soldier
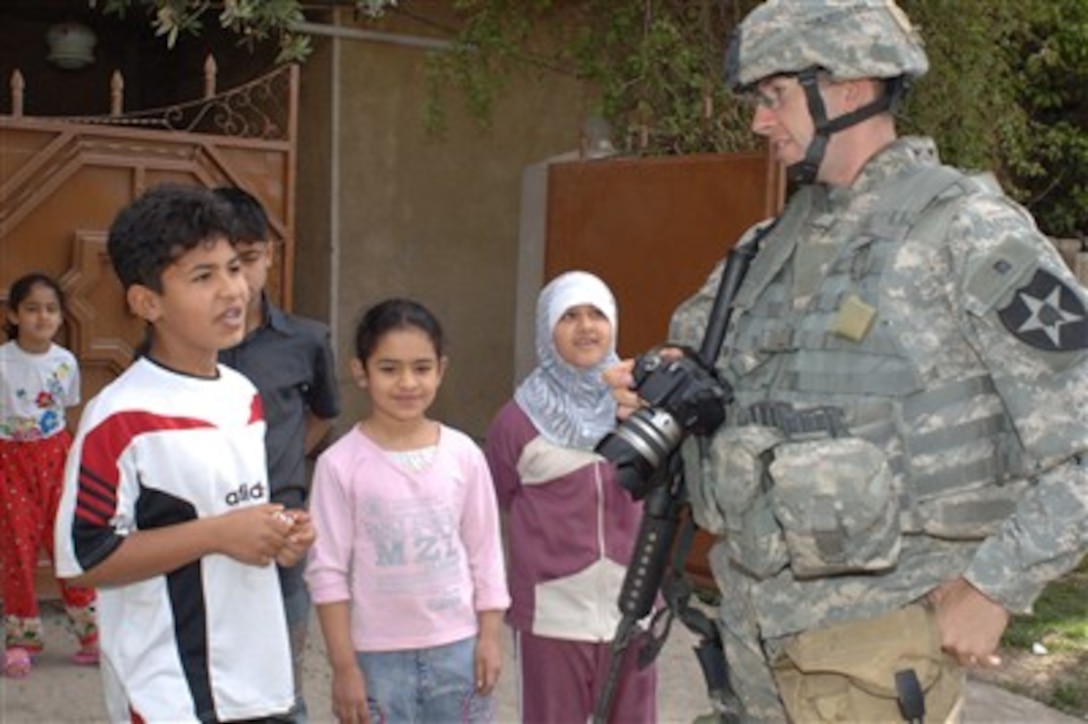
x,y
901,465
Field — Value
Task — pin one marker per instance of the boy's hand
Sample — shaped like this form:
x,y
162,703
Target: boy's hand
x,y
300,536
253,535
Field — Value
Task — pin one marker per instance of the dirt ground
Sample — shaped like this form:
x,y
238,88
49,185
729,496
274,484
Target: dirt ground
x,y
58,691
1023,671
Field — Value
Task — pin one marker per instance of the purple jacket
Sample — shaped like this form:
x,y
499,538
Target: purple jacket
x,y
570,531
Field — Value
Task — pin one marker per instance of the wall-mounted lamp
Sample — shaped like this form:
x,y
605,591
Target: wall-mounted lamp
x,y
597,138
71,45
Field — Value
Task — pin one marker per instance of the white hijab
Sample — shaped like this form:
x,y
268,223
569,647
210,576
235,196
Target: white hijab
x,y
570,406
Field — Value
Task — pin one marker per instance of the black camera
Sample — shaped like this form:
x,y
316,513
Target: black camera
x,y
684,396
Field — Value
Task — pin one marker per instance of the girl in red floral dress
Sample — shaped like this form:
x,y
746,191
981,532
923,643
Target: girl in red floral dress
x,y
38,380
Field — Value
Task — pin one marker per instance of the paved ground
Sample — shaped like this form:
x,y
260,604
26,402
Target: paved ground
x,y
59,692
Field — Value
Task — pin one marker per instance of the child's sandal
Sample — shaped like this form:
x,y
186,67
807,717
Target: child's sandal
x,y
16,663
86,657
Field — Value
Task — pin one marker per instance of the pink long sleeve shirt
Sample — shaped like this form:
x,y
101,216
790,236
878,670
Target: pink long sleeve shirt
x,y
417,554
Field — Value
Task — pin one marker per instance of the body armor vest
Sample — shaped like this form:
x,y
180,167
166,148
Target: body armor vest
x,y
840,364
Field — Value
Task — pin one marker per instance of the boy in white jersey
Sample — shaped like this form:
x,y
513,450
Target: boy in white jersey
x,y
165,506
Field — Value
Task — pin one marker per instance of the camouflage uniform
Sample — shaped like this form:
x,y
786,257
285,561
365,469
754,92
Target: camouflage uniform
x,y
919,378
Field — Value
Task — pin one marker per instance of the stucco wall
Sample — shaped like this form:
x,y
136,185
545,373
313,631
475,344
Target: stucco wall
x,y
313,188
409,214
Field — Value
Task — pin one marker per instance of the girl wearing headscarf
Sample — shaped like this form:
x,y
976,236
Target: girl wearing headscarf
x,y
571,528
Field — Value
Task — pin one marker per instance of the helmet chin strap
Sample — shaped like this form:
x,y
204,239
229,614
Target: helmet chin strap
x,y
805,171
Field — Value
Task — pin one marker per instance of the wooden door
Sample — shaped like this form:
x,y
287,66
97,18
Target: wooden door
x,y
653,230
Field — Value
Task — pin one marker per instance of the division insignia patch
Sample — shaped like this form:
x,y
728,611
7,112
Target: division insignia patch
x,y
1047,314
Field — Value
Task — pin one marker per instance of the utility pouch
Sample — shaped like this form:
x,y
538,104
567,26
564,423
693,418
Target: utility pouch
x,y
837,505
752,536
848,672
970,514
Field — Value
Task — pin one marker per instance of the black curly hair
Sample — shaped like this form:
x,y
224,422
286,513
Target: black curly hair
x,y
159,226
250,219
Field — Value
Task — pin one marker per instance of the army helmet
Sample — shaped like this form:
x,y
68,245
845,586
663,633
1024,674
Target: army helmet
x,y
848,39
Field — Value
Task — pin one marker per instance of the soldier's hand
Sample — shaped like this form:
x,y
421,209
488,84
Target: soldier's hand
x,y
970,623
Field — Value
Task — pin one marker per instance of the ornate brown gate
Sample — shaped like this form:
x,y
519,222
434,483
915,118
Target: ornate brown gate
x,y
62,181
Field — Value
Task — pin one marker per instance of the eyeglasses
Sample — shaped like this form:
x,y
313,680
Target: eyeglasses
x,y
771,92
775,89
769,97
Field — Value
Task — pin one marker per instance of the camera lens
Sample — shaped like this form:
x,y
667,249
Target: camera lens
x,y
652,433
639,446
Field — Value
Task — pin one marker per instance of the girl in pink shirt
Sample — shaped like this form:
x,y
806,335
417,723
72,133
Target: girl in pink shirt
x,y
407,572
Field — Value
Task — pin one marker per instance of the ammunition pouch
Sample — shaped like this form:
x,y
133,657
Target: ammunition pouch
x,y
750,532
848,672
837,506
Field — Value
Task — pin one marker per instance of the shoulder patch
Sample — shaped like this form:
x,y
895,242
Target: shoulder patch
x,y
1047,314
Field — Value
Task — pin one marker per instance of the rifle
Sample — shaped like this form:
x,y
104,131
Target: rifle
x,y
657,537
